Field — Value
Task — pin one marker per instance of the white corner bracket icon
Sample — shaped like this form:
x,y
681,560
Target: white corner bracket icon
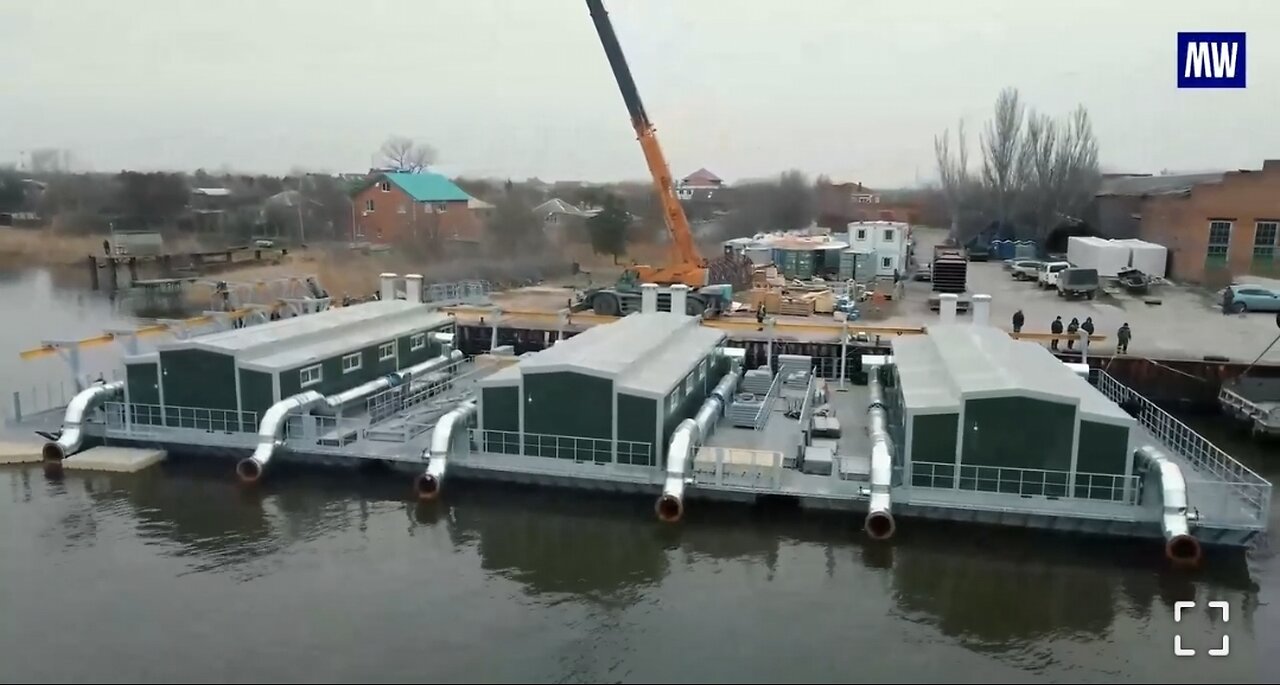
x,y
1225,649
1178,649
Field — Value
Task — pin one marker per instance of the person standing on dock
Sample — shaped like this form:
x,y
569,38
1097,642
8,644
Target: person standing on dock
x,y
1056,329
1018,320
1087,326
1072,329
1122,338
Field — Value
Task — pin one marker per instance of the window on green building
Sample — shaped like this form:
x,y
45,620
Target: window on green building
x,y
1219,241
418,341
351,362
386,351
1264,244
310,375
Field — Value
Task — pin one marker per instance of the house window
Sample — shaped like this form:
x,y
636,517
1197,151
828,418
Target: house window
x,y
886,262
351,362
368,205
418,341
702,370
688,385
441,208
888,235
1264,241
862,234
673,400
1219,241
386,351
385,186
309,376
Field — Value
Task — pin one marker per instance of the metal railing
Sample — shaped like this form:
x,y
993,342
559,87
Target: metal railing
x,y
579,449
40,398
145,418
1210,463
766,406
435,384
1027,482
734,467
460,292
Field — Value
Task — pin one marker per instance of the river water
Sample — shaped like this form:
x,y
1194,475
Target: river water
x,y
179,574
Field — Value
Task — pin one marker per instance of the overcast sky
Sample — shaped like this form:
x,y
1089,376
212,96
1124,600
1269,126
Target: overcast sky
x,y
514,88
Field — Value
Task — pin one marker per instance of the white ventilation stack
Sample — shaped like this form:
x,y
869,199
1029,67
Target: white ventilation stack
x,y
388,283
679,296
982,310
648,298
947,307
413,288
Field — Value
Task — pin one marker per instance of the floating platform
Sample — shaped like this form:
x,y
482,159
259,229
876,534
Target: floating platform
x,y
19,452
115,459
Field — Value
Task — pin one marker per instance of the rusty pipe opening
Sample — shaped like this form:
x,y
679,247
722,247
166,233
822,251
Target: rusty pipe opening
x,y
426,487
880,525
1183,550
669,508
52,451
249,470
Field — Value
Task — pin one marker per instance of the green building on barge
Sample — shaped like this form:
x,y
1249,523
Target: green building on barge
x,y
225,381
978,410
609,394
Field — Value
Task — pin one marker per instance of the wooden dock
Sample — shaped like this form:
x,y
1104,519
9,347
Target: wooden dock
x,y
172,263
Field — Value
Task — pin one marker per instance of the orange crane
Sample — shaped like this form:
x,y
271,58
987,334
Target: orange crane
x,y
685,265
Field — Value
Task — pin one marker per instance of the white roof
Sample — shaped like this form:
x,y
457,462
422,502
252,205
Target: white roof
x,y
956,362
645,353
211,192
296,341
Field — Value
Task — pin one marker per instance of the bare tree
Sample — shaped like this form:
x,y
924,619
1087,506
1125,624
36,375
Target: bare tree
x,y
953,172
1001,147
401,153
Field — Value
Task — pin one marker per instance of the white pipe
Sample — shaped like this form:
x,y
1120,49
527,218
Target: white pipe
x,y
688,435
648,298
445,339
679,298
334,402
413,288
947,307
1180,546
388,285
981,310
428,483
72,436
879,523
250,469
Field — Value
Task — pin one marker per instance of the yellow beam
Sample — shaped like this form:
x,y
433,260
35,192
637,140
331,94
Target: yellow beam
x,y
141,332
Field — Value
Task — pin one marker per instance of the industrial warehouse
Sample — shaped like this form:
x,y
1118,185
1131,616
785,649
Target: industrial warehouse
x,y
961,423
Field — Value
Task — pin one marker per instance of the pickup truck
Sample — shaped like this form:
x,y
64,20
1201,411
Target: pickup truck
x,y
1047,274
1077,282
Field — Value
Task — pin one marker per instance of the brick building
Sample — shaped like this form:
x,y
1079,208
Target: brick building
x,y
841,203
415,209
1216,226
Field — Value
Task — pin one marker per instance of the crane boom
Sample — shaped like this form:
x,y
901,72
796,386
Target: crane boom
x,y
687,265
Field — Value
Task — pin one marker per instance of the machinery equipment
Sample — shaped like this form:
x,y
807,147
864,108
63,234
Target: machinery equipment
x,y
685,265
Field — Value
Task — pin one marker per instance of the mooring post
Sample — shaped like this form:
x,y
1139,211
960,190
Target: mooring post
x,y
133,270
113,277
93,272
844,350
493,336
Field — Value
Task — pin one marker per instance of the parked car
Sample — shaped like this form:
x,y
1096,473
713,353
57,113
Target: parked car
x,y
1047,273
1249,298
1024,269
923,272
1078,282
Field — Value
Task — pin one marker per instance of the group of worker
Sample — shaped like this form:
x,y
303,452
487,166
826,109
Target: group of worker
x,y
1073,329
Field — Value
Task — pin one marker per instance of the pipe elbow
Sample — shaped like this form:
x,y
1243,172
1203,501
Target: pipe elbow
x,y
879,524
669,507
1183,550
249,470
57,450
427,487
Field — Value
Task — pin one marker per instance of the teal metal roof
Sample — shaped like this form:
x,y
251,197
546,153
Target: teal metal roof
x,y
428,187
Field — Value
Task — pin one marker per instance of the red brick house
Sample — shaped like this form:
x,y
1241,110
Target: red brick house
x,y
841,203
417,209
1215,226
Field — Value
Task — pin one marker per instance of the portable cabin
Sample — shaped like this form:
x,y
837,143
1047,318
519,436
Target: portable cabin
x,y
226,380
613,393
978,410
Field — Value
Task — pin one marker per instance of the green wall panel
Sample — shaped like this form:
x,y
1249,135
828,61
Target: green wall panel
x,y
1104,449
933,450
636,417
256,394
1016,433
501,407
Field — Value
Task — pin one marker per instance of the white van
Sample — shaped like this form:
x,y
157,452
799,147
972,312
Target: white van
x,y
1047,274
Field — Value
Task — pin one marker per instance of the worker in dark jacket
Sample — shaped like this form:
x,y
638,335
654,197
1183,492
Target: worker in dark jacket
x,y
1087,326
1122,338
1072,329
1056,329
1018,320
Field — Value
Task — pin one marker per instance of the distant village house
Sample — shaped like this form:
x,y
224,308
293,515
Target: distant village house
x,y
405,208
